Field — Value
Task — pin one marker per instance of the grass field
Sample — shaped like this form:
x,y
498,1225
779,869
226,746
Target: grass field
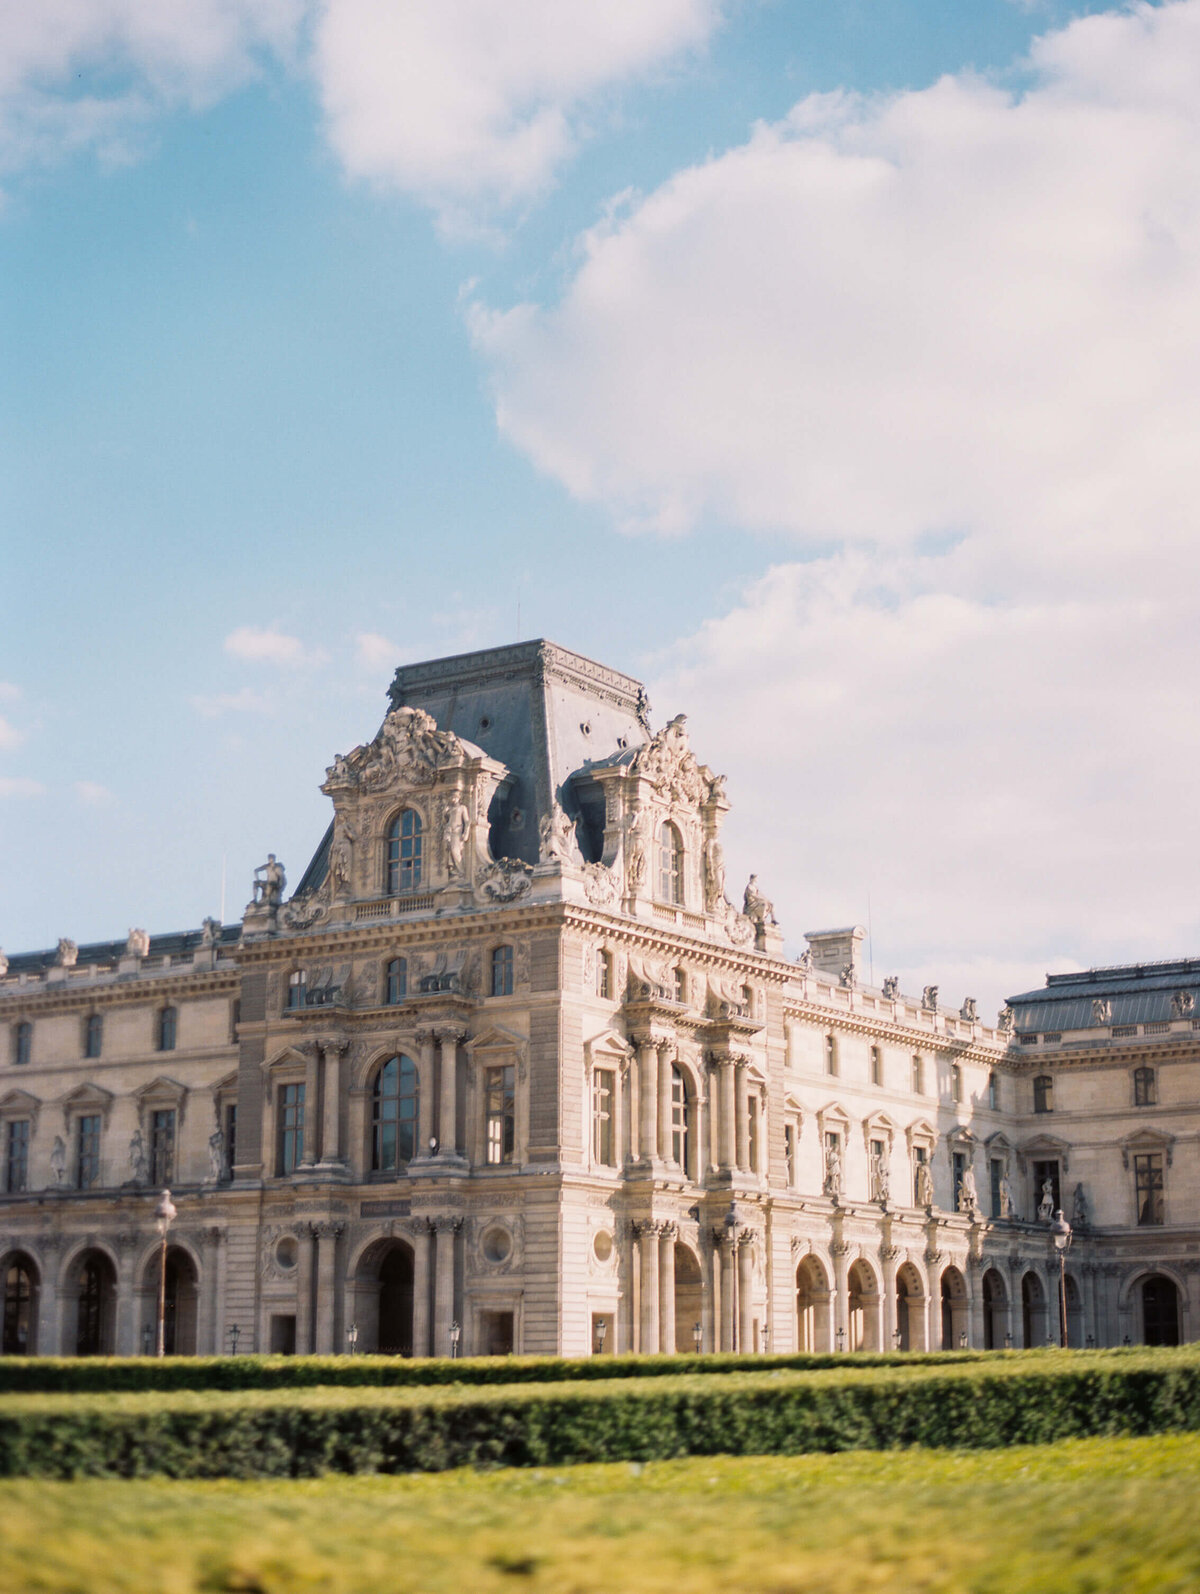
x,y
1081,1517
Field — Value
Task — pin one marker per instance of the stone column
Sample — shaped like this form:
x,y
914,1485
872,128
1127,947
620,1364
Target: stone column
x,y
745,1286
443,1293
648,1241
125,1327
214,1260
666,1294
726,1246
304,1289
426,1129
421,1241
975,1306
890,1318
727,1114
326,1313
841,1268
331,1149
664,1101
648,1091
741,1118
448,1092
312,1075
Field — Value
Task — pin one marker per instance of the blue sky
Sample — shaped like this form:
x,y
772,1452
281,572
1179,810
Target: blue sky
x,y
829,367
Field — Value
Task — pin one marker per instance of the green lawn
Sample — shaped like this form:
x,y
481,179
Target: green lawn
x,y
1080,1517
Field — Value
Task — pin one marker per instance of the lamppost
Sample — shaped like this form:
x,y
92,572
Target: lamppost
x,y
731,1231
455,1336
1008,1341
766,1339
164,1216
146,1331
841,1339
601,1334
352,1337
962,1339
895,1339
1060,1233
698,1336
235,1334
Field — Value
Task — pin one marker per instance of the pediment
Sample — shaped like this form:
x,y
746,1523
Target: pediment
x,y
163,1089
87,1099
920,1133
833,1114
879,1126
497,1039
1044,1146
286,1057
1147,1140
999,1142
227,1086
960,1135
19,1104
608,1046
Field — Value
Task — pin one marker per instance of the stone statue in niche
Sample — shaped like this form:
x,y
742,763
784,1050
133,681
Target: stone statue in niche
x,y
216,1155
891,988
880,1179
968,1195
635,864
714,873
929,998
924,1185
341,859
833,1170
269,882
456,832
556,837
58,1159
139,1168
1046,1204
757,908
1008,1206
1079,1208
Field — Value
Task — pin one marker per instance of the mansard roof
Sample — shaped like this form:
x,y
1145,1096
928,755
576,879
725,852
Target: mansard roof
x,y
173,944
1136,993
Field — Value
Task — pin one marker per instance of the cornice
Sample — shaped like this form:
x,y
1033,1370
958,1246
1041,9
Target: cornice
x,y
859,1023
1129,1053
70,998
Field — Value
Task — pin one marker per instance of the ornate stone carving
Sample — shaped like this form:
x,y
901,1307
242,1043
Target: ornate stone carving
x,y
1079,1209
969,1010
3,963
269,882
409,748
456,832
1101,1010
714,874
924,1185
929,998
67,954
301,913
891,987
848,978
506,879
757,908
599,885
137,944
1183,1004
210,931
1006,1020
833,1171
668,763
556,837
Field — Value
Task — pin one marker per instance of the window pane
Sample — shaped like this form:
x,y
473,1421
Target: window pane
x,y
500,1121
166,1030
17,1171
1148,1171
87,1165
605,1140
502,971
162,1147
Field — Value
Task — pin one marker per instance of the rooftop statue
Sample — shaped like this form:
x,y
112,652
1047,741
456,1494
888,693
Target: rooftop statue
x,y
268,890
757,908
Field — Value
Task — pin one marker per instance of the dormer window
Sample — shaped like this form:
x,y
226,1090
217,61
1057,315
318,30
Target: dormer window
x,y
403,864
670,865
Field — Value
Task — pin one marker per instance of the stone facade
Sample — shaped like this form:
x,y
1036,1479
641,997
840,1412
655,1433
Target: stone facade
x,y
509,1068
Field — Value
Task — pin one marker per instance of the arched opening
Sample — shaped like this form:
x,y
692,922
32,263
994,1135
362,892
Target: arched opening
x,y
394,1115
954,1309
90,1306
909,1333
181,1304
382,1299
812,1307
1074,1314
20,1306
862,1308
689,1298
1160,1310
995,1301
1033,1311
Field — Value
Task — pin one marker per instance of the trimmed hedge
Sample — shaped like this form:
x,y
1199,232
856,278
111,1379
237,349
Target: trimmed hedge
x,y
321,1431
96,1374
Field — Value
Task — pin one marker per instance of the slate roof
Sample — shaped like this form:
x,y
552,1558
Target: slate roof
x,y
176,943
1139,993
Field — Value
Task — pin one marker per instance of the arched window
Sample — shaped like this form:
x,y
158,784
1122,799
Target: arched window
x,y
1145,1093
18,1307
93,1035
397,981
831,1054
23,1042
403,871
167,1023
502,971
297,983
394,1114
670,864
679,1119
1043,1093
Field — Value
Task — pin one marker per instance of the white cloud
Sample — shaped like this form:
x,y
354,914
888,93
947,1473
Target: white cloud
x,y
467,103
10,736
92,793
19,786
375,652
265,646
246,701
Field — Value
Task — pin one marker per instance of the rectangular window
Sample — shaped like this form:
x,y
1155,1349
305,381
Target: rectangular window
x,y
502,971
831,1056
752,1126
876,1066
994,1092
1046,1173
956,1082
500,1115
996,1170
167,1025
789,1152
230,1139
604,976
918,1075
22,1043
162,1146
397,981
1144,1092
680,985
960,1168
16,1176
605,1142
87,1151
291,1128
93,1035
1148,1172
1043,1093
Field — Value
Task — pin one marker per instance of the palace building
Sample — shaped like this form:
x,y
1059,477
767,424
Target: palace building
x,y
510,1071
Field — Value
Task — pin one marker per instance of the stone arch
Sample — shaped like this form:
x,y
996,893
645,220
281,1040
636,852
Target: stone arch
x,y
181,1303
22,1280
381,1296
689,1296
1074,1312
814,1326
88,1297
996,1333
1132,1304
1033,1310
862,1306
952,1292
911,1301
